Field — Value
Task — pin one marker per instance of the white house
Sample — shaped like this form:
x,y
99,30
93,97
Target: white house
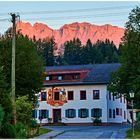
x,y
76,94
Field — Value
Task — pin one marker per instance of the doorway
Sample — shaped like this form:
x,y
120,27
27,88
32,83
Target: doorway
x,y
56,115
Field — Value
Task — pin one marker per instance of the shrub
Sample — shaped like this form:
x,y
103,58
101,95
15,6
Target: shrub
x,y
138,117
21,130
7,131
32,124
1,115
97,121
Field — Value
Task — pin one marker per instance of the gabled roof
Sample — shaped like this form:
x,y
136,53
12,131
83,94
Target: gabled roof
x,y
98,73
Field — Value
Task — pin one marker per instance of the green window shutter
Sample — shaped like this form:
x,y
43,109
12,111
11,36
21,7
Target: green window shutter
x,y
74,113
79,113
100,114
35,113
39,113
47,113
66,113
87,113
92,112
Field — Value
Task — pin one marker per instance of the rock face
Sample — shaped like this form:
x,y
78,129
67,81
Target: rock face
x,y
83,31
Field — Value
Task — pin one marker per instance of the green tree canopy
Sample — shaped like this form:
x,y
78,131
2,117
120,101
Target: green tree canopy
x,y
127,78
72,52
29,65
46,48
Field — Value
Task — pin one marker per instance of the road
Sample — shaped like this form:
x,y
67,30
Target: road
x,y
91,132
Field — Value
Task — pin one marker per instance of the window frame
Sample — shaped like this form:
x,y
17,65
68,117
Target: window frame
x,y
47,77
99,112
86,115
117,111
81,95
110,113
98,95
72,95
70,115
59,77
114,114
42,99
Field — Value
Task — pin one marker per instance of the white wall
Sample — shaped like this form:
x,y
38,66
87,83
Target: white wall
x,y
89,103
117,104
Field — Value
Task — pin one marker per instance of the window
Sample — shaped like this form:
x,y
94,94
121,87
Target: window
x,y
96,112
59,77
76,76
34,113
117,111
113,113
83,95
121,99
70,113
83,113
70,95
124,115
96,94
47,78
109,95
56,95
120,112
43,114
110,113
43,96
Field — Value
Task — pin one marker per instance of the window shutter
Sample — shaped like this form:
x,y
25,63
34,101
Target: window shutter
x,y
74,113
35,113
66,113
39,113
47,113
79,113
92,112
100,112
87,113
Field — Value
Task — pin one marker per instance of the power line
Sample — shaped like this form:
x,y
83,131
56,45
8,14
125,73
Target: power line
x,y
77,17
6,19
77,10
73,10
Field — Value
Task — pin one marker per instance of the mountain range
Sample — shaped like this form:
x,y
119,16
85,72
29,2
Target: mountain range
x,y
83,31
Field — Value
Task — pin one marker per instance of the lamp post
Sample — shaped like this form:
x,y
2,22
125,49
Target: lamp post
x,y
131,93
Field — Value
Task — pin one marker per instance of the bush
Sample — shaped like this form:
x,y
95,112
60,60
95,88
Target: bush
x,y
21,130
97,121
8,131
1,115
138,117
137,125
32,123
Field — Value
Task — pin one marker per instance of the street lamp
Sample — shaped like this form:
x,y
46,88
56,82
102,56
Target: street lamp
x,y
131,93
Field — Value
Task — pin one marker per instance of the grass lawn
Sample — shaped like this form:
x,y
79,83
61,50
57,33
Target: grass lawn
x,y
136,134
43,131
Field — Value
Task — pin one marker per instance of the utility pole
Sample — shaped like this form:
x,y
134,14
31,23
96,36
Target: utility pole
x,y
14,16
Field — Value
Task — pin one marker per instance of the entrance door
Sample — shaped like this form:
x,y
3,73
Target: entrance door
x,y
56,115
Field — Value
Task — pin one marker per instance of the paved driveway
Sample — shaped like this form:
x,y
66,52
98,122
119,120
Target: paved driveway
x,y
90,132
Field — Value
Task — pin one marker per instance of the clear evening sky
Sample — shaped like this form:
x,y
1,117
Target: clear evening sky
x,y
99,13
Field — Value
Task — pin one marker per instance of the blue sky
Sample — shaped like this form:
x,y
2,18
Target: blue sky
x,y
115,16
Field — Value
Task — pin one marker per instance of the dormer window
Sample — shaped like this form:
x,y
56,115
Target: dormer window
x,y
59,77
47,78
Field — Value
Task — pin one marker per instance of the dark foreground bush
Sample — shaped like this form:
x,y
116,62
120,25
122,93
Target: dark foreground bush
x,y
21,130
7,131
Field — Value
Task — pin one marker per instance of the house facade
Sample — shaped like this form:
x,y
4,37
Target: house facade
x,y
78,94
